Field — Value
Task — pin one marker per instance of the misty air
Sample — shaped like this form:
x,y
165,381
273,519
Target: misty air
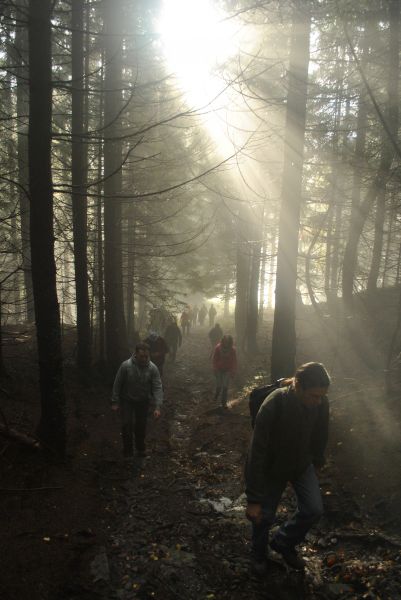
x,y
200,300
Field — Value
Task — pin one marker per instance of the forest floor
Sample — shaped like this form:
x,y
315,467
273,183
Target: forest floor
x,y
173,527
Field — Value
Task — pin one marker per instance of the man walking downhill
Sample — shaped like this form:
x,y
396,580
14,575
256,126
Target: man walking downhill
x,y
212,315
136,385
202,315
173,338
185,322
215,335
195,312
288,442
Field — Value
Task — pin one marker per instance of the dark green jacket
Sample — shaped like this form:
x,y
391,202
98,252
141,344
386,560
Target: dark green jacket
x,y
287,438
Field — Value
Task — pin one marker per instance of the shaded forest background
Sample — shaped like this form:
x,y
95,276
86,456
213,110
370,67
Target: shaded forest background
x,y
275,188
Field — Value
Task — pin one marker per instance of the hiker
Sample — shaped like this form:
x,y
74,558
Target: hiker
x,y
157,319
185,322
195,313
202,315
215,335
173,338
157,349
224,367
190,312
212,315
288,442
137,383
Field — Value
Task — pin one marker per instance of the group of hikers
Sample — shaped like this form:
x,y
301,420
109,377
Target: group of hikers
x,y
138,382
287,444
192,315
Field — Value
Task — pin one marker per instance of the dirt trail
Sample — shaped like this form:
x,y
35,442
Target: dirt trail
x,y
178,528
174,527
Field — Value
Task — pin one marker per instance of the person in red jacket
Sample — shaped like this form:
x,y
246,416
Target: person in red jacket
x,y
224,367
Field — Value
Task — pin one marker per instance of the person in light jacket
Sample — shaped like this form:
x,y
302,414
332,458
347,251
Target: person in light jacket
x,y
136,386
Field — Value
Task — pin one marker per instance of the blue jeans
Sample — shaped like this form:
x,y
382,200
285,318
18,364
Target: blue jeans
x,y
222,382
292,532
134,416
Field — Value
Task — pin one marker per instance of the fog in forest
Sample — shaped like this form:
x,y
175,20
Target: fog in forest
x,y
200,162
236,153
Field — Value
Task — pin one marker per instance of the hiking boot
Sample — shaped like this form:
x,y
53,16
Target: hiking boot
x,y
259,567
289,555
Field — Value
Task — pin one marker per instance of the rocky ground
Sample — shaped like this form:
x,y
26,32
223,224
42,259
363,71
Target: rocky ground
x,y
173,526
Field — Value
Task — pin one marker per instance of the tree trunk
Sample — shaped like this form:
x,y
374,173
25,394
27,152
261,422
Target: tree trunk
x,y
227,301
398,275
329,244
389,240
142,314
79,202
284,336
272,267
358,210
99,262
116,338
130,277
21,73
2,366
10,196
378,239
332,244
337,246
241,296
387,151
51,429
253,312
262,281
100,279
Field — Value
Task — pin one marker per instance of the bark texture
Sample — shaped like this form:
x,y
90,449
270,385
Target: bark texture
x,y
51,429
284,335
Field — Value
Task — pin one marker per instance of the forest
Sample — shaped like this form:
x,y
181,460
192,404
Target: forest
x,y
158,156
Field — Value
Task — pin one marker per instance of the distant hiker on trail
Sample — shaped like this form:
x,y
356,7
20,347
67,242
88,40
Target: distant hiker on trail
x,y
190,312
215,335
224,367
195,312
289,441
173,338
212,315
185,322
137,383
202,315
157,349
158,318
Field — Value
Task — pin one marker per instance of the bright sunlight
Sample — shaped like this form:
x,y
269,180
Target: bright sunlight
x,y
196,39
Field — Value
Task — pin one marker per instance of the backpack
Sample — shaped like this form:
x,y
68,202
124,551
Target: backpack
x,y
257,396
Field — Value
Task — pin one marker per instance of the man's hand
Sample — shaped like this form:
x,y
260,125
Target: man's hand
x,y
254,513
156,413
114,406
